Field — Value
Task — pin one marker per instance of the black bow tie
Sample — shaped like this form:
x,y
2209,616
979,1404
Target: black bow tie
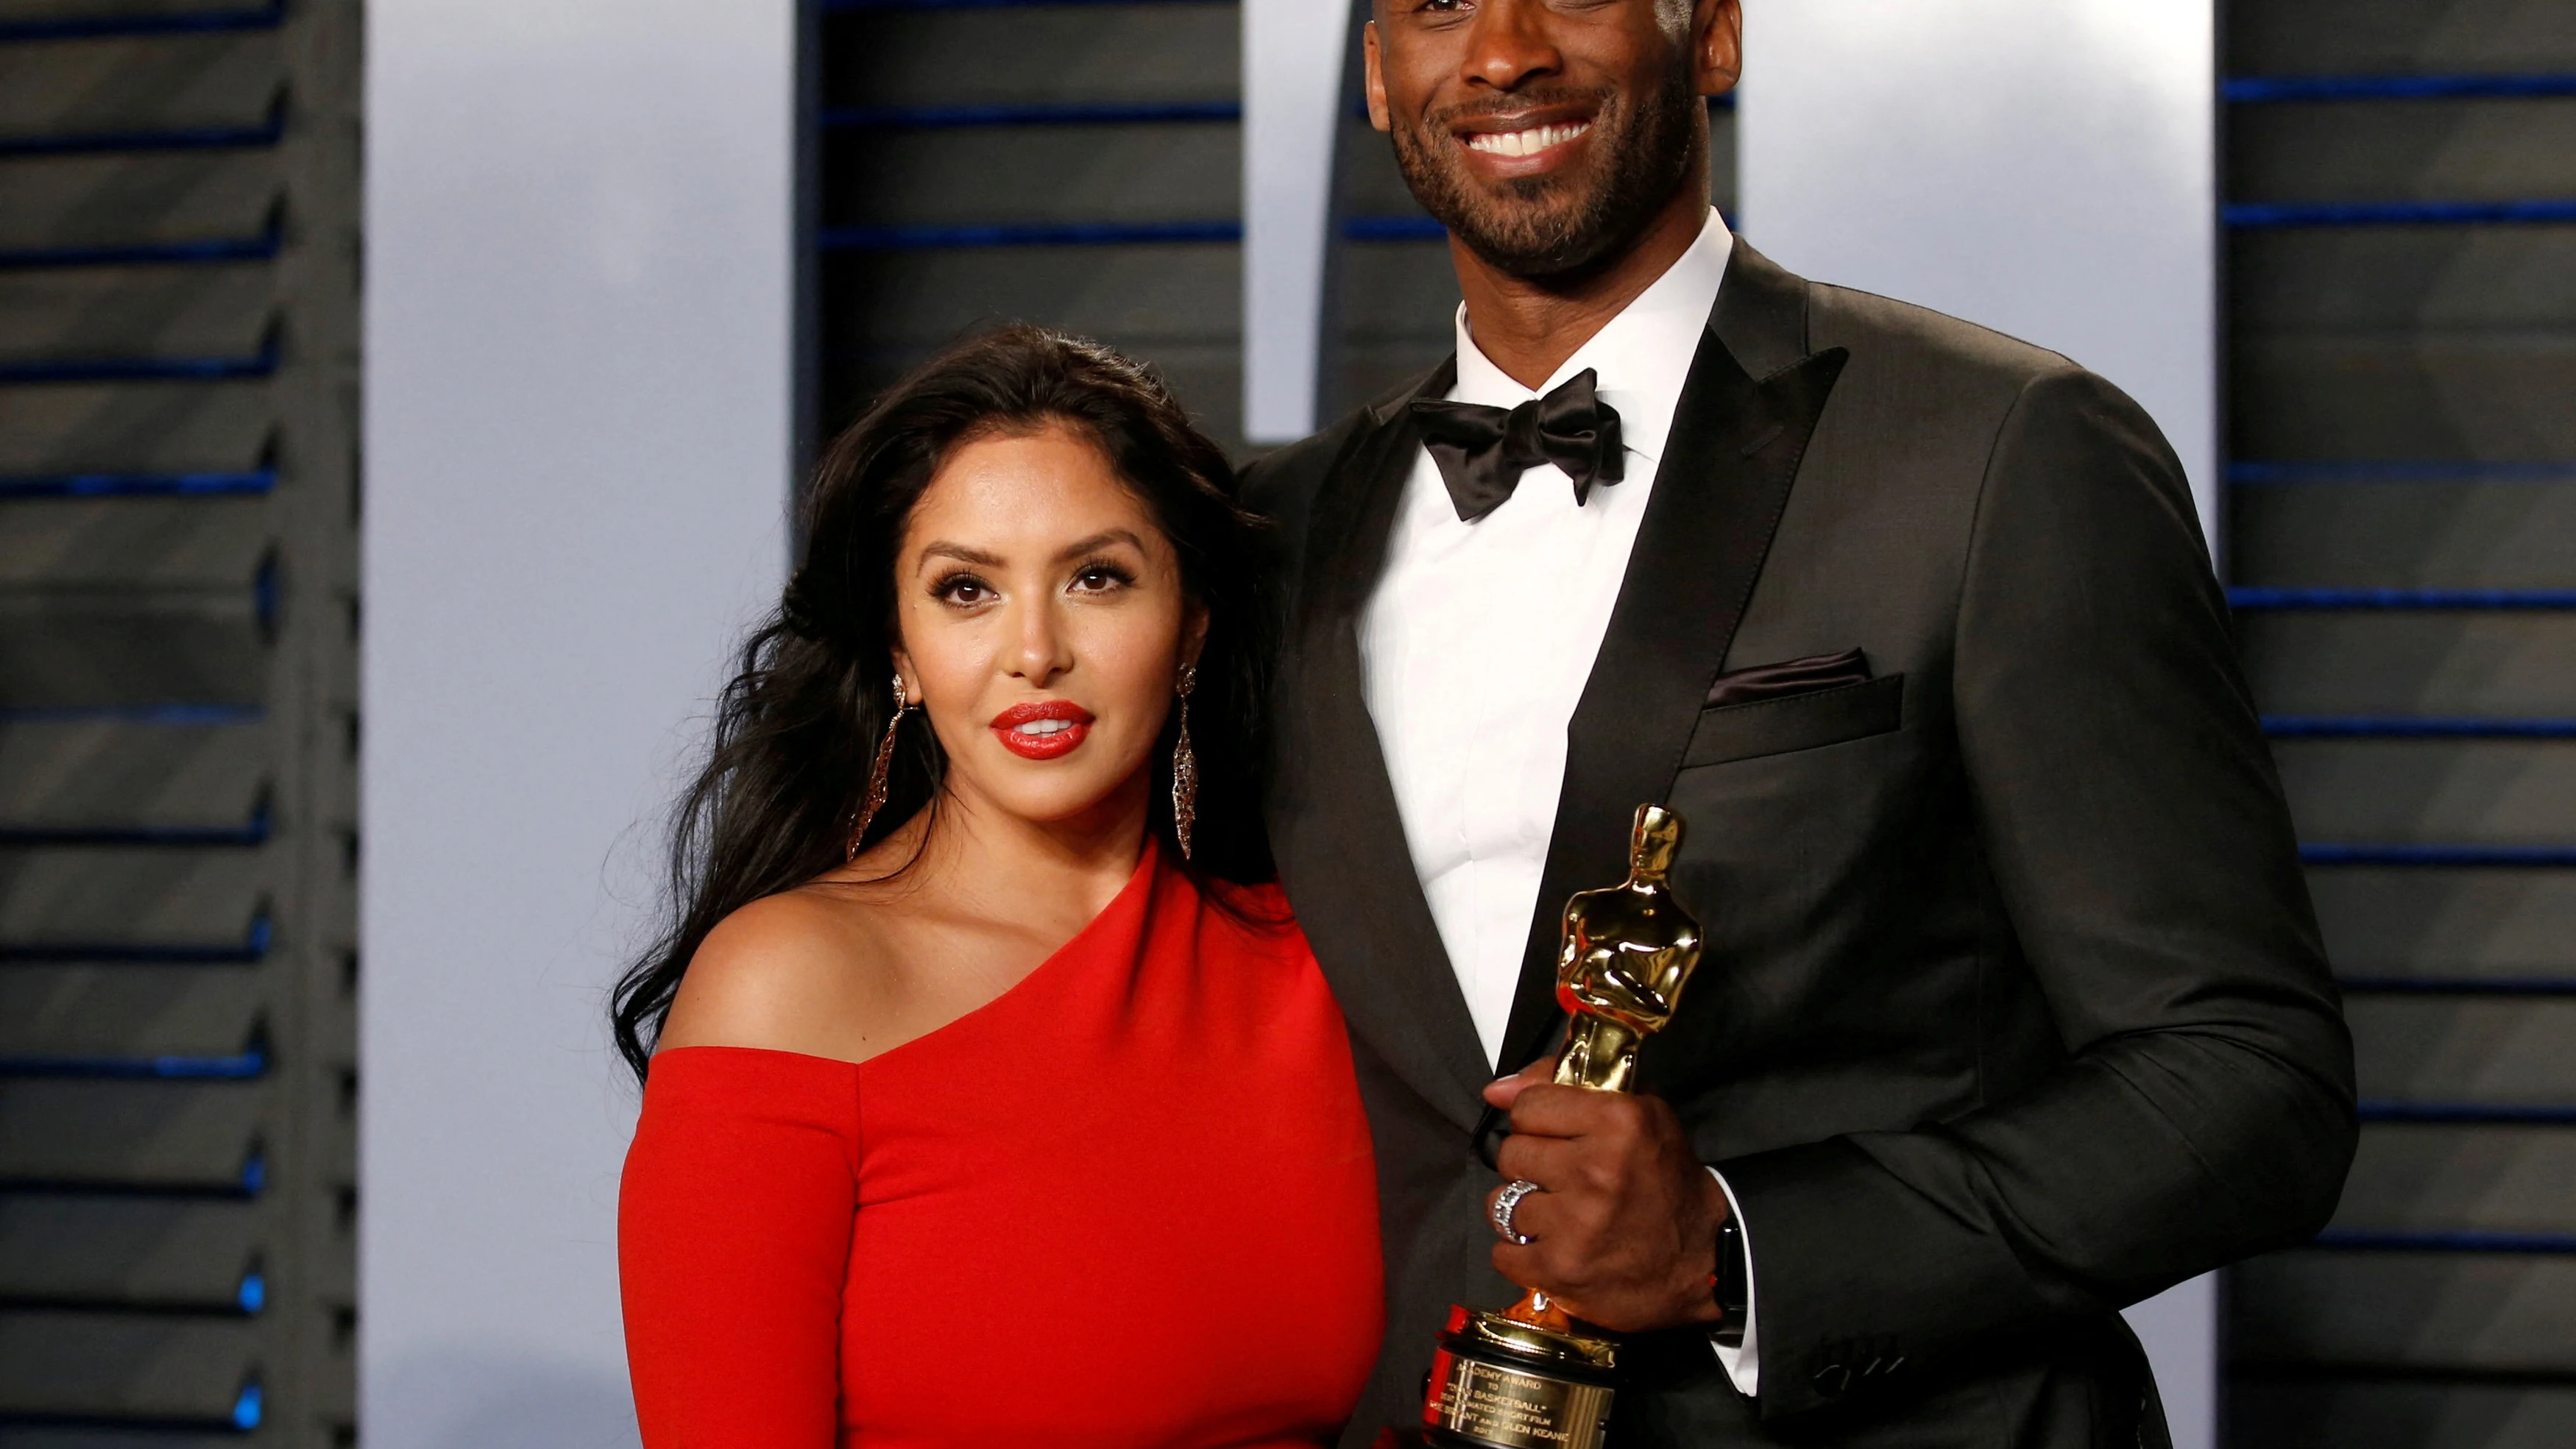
x,y
1483,451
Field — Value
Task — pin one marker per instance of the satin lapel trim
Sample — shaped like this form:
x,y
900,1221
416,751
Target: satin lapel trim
x,y
1719,493
1341,847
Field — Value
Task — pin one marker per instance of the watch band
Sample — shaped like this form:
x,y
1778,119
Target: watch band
x,y
1731,1284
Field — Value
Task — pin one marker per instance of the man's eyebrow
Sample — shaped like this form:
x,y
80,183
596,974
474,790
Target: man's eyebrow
x,y
960,552
1099,541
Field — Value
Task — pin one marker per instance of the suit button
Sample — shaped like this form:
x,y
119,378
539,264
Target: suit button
x,y
1831,1380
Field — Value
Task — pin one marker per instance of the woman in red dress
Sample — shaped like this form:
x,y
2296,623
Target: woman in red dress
x,y
992,1097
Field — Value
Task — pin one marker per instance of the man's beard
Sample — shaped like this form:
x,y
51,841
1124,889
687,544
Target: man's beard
x,y
1641,148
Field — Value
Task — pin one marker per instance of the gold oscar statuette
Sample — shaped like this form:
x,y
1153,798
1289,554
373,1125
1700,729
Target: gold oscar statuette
x,y
1532,1376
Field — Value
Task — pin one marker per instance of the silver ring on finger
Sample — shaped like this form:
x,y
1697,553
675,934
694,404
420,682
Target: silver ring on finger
x,y
1507,1202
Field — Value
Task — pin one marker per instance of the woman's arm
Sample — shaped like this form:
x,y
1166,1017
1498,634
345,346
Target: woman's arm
x,y
734,1223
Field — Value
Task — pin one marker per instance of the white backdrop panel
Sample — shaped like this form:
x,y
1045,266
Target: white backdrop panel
x,y
1292,91
2047,168
578,409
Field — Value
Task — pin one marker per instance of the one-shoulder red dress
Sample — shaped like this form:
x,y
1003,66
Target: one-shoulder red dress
x,y
1129,1204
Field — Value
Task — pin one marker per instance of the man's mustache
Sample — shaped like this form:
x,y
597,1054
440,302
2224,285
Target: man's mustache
x,y
1604,97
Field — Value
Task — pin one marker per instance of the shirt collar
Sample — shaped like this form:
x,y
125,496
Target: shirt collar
x,y
1643,354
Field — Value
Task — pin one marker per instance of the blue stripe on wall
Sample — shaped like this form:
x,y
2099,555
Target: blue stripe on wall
x,y
2527,857
2457,985
1098,114
250,950
184,22
2276,598
2257,215
127,254
2428,471
193,138
141,369
138,485
208,715
2443,1241
2343,727
244,1066
2257,90
2468,1114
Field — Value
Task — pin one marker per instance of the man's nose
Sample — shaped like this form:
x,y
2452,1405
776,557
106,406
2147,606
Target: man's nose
x,y
1508,45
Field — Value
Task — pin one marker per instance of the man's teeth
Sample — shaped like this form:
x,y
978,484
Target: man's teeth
x,y
1526,143
1044,727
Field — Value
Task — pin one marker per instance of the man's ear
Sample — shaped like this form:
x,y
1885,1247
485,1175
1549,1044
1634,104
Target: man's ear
x,y
1717,45
1379,115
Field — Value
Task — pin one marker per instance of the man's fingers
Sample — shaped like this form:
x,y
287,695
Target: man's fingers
x,y
1503,1091
1545,1264
1571,1226
1543,1160
1553,1111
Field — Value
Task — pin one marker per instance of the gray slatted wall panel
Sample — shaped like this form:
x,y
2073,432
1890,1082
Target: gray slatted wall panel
x,y
943,124
178,323
2403,413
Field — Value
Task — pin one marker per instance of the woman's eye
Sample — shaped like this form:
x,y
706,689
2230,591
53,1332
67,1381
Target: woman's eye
x,y
1100,578
963,589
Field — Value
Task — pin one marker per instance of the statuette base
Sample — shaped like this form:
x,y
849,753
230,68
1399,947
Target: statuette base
x,y
1497,1383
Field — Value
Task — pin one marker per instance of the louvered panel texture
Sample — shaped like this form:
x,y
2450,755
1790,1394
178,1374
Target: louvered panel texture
x,y
178,322
2402,411
1078,165
133,199
2436,924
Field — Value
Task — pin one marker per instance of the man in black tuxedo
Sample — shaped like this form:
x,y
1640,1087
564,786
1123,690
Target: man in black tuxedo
x,y
2013,1010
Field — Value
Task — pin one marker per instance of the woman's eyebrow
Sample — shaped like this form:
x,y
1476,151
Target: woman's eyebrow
x,y
961,553
1099,541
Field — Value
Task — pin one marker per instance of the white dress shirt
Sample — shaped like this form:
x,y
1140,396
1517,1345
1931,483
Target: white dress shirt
x,y
1480,636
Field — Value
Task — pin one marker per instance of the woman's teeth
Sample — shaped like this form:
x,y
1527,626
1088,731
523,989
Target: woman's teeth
x,y
1043,727
1525,143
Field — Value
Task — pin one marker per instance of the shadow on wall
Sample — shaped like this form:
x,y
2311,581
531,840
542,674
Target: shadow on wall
x,y
474,1399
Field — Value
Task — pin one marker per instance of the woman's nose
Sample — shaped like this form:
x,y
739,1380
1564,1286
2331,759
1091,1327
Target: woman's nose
x,y
1041,654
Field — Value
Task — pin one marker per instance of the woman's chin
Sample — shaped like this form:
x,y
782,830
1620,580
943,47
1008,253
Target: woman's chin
x,y
1072,799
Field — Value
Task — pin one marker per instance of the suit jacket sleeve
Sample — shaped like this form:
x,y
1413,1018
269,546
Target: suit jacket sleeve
x,y
2145,871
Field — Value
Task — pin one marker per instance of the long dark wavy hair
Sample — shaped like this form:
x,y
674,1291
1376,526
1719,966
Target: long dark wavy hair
x,y
797,728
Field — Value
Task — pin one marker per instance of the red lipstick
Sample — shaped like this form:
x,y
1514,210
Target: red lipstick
x,y
1046,729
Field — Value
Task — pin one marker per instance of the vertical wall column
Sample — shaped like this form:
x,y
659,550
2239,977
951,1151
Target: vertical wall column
x,y
1293,53
2044,167
578,416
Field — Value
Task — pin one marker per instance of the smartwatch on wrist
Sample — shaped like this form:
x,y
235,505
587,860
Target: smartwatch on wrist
x,y
1731,1285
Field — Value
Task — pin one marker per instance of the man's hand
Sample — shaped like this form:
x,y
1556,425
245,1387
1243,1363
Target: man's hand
x,y
1624,1230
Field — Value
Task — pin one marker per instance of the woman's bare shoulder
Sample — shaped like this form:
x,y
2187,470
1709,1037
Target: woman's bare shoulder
x,y
806,970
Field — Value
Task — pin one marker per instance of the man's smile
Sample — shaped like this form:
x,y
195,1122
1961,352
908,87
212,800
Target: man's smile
x,y
1523,138
1529,142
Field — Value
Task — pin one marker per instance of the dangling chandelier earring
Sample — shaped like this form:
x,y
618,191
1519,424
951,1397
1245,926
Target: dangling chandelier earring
x,y
874,800
1185,765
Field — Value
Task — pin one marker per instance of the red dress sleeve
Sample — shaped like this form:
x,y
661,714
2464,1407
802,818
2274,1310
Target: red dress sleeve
x,y
733,1241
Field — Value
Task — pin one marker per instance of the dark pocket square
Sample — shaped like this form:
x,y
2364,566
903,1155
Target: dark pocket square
x,y
1790,676
1806,720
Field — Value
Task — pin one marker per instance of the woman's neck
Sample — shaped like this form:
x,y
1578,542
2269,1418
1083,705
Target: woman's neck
x,y
989,860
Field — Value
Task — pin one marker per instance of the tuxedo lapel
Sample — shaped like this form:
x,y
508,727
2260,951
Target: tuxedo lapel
x,y
1751,402
1338,835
